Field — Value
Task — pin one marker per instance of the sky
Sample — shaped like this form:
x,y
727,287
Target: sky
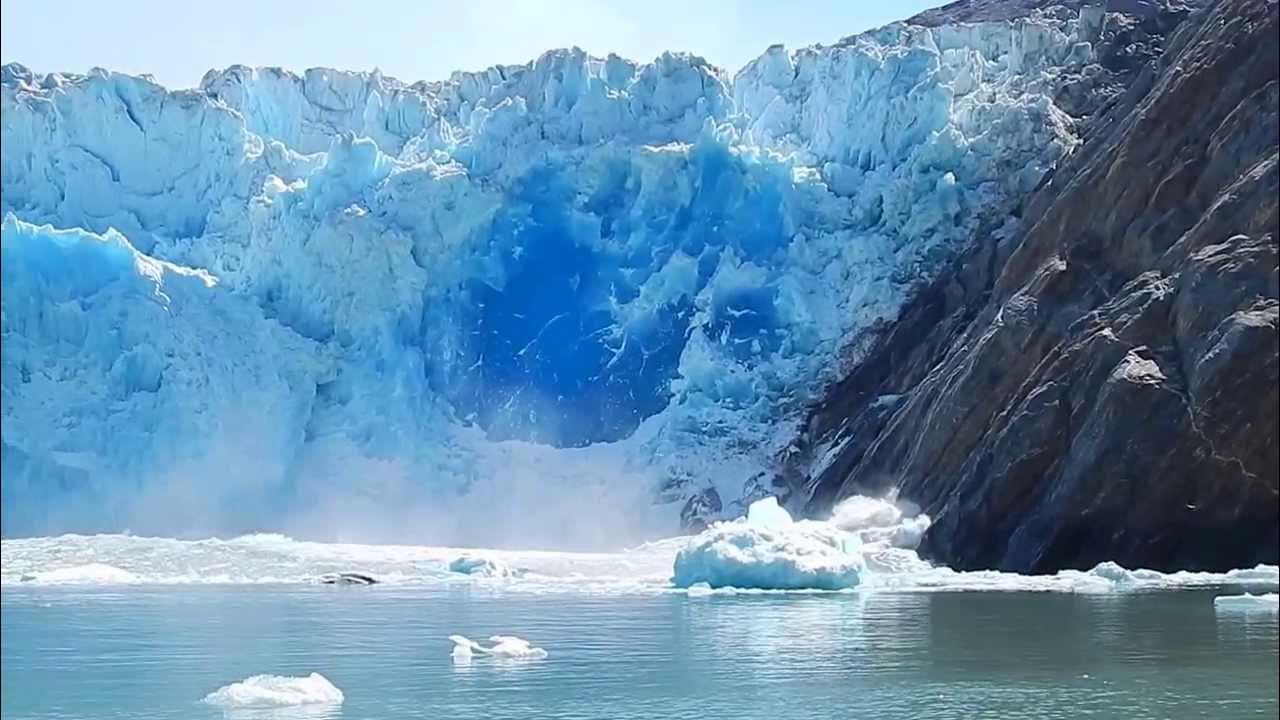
x,y
424,40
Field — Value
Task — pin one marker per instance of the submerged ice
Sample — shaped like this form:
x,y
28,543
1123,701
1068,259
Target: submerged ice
x,y
280,296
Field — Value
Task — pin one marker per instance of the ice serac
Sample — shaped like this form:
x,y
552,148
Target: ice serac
x,y
1102,385
333,295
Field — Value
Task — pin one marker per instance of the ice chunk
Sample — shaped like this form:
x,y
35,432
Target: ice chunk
x,y
511,647
1266,602
276,691
464,649
481,566
766,513
505,647
769,550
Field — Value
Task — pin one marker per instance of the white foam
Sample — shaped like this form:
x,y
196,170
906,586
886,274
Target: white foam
x,y
276,691
1266,602
87,574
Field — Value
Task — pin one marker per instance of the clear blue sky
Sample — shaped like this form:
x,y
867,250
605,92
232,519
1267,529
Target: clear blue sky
x,y
176,40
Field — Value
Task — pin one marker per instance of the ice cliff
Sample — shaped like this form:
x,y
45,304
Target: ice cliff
x,y
285,299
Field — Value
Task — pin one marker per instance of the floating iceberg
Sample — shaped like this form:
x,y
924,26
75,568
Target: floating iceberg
x,y
267,691
505,647
768,550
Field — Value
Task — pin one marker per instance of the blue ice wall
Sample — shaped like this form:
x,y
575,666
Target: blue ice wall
x,y
283,296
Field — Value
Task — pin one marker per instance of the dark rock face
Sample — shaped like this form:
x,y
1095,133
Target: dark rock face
x,y
1103,386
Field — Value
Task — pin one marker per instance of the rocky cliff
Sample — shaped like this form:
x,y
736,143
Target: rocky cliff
x,y
1101,383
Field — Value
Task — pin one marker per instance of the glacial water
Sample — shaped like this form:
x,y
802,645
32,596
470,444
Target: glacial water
x,y
102,642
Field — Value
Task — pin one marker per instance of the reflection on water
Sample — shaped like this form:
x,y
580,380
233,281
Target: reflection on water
x,y
153,653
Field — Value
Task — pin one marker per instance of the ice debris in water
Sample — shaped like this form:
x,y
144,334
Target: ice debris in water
x,y
769,550
1248,601
276,691
767,513
505,647
481,566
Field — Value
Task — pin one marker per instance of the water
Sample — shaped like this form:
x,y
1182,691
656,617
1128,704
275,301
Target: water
x,y
151,652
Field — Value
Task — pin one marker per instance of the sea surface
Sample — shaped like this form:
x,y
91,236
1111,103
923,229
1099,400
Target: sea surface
x,y
94,647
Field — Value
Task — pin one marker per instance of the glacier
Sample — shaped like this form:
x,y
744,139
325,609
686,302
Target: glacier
x,y
340,305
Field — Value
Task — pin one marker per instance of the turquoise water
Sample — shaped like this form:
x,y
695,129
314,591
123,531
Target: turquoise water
x,y
153,652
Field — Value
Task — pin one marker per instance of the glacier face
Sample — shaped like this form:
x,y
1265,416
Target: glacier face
x,y
335,300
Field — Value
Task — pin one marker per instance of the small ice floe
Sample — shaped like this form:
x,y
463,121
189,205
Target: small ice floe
x,y
274,691
505,647
1266,602
481,566
346,578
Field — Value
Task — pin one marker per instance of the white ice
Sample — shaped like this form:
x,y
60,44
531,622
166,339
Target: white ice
x,y
1265,602
768,550
504,647
276,691
87,574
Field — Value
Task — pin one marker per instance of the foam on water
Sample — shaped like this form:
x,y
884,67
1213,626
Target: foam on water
x,y
868,545
268,691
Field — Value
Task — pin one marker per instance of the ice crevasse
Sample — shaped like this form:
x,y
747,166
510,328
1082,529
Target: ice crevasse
x,y
275,298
